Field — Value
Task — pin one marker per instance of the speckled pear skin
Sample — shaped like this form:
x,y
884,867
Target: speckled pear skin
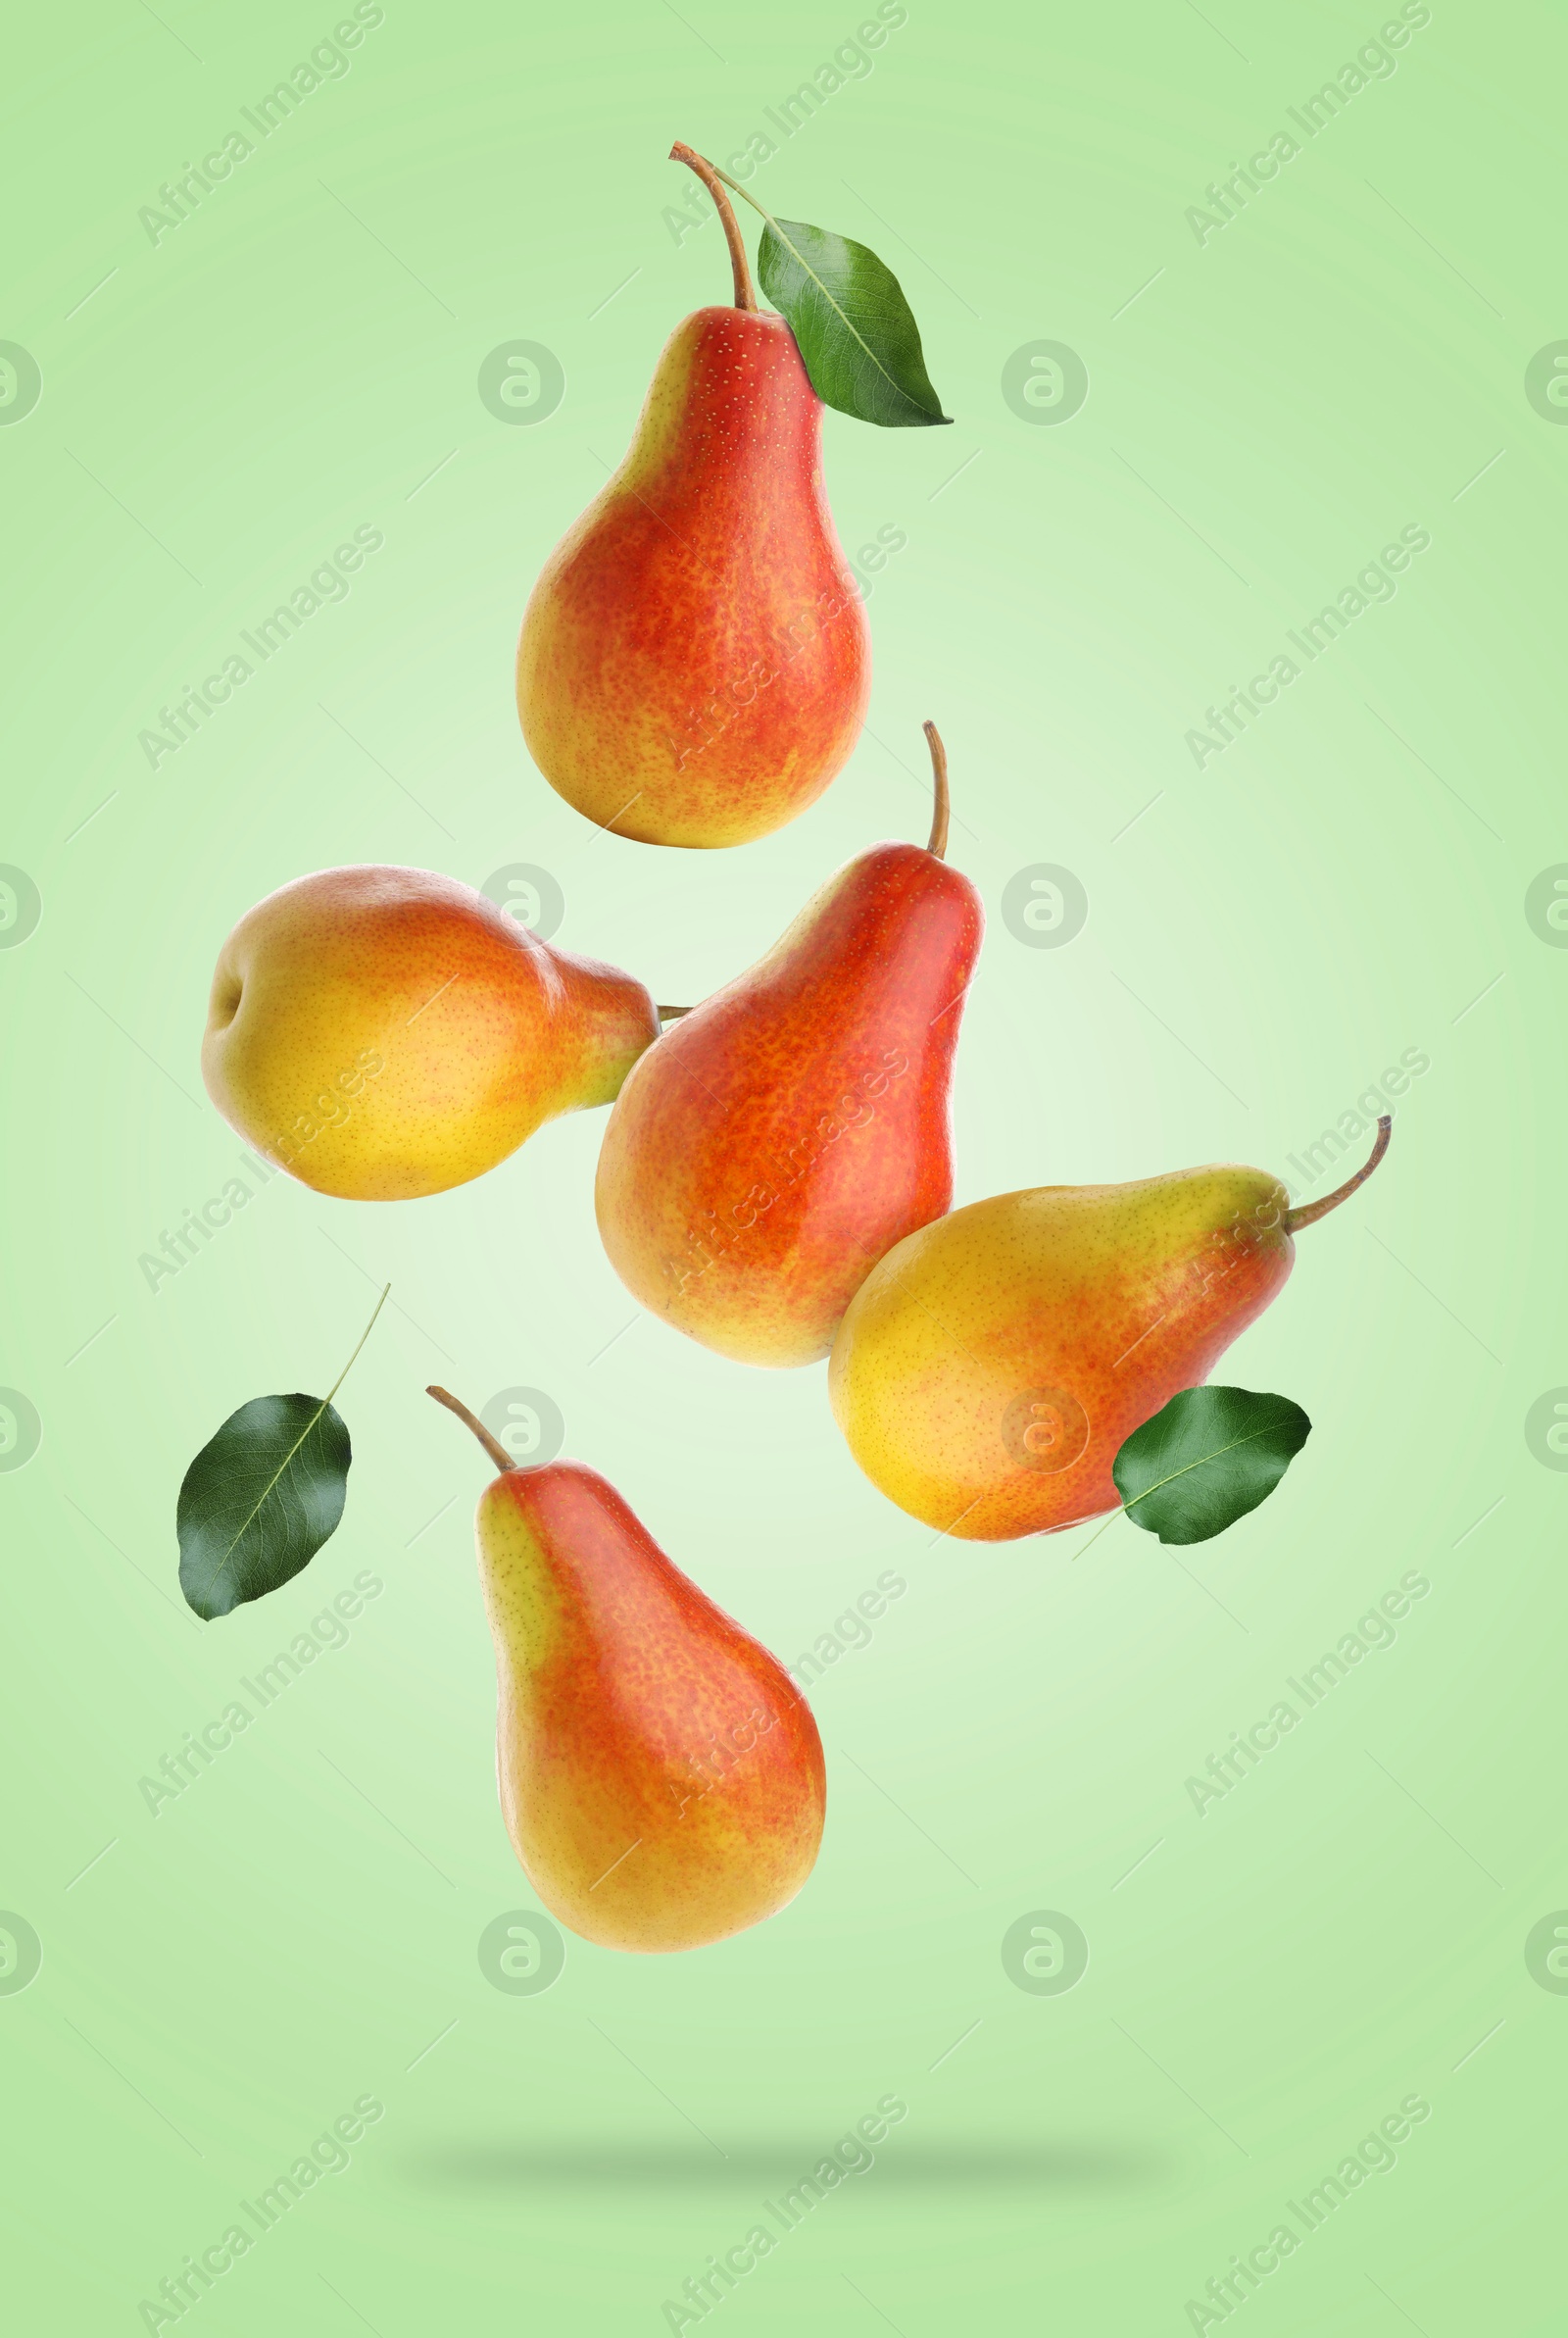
x,y
661,1777
695,662
991,1366
792,1129
385,1032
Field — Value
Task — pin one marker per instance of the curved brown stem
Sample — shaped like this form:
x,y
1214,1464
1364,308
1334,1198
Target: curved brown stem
x,y
497,1452
740,267
1294,1219
939,811
671,1014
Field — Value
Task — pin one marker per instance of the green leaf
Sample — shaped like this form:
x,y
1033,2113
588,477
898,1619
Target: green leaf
x,y
260,1498
1206,1460
860,342
259,1501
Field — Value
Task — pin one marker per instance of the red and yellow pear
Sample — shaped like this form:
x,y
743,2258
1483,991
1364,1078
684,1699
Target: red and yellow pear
x,y
661,1777
784,1134
385,1032
987,1370
695,662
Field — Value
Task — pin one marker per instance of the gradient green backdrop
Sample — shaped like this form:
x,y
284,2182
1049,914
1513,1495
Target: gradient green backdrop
x,y
1266,409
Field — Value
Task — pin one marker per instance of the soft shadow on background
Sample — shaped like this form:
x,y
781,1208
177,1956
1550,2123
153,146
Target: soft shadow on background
x,y
508,2164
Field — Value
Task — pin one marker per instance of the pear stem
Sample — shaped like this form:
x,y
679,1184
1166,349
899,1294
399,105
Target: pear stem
x,y
939,772
497,1451
363,1336
740,267
1294,1219
671,1014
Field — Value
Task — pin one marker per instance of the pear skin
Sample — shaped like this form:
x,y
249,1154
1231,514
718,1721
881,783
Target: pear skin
x,y
792,1129
385,1032
695,662
661,1777
990,1367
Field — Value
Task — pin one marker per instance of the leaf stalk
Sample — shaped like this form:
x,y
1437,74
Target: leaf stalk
x,y
363,1336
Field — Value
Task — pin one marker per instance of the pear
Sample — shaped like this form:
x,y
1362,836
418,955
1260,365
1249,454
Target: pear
x,y
987,1370
694,664
385,1032
660,1776
785,1133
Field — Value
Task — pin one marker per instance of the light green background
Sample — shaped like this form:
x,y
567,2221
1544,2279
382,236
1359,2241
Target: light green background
x,y
1265,1982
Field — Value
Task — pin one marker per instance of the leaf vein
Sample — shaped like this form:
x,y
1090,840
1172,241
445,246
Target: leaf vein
x,y
850,325
261,1499
1198,1460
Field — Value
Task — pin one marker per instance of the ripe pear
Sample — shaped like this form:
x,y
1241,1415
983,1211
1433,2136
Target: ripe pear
x,y
790,1129
990,1367
384,1032
660,1776
695,662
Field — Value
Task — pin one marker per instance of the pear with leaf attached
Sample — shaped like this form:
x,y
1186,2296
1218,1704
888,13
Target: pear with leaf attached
x,y
661,1777
988,1371
695,662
